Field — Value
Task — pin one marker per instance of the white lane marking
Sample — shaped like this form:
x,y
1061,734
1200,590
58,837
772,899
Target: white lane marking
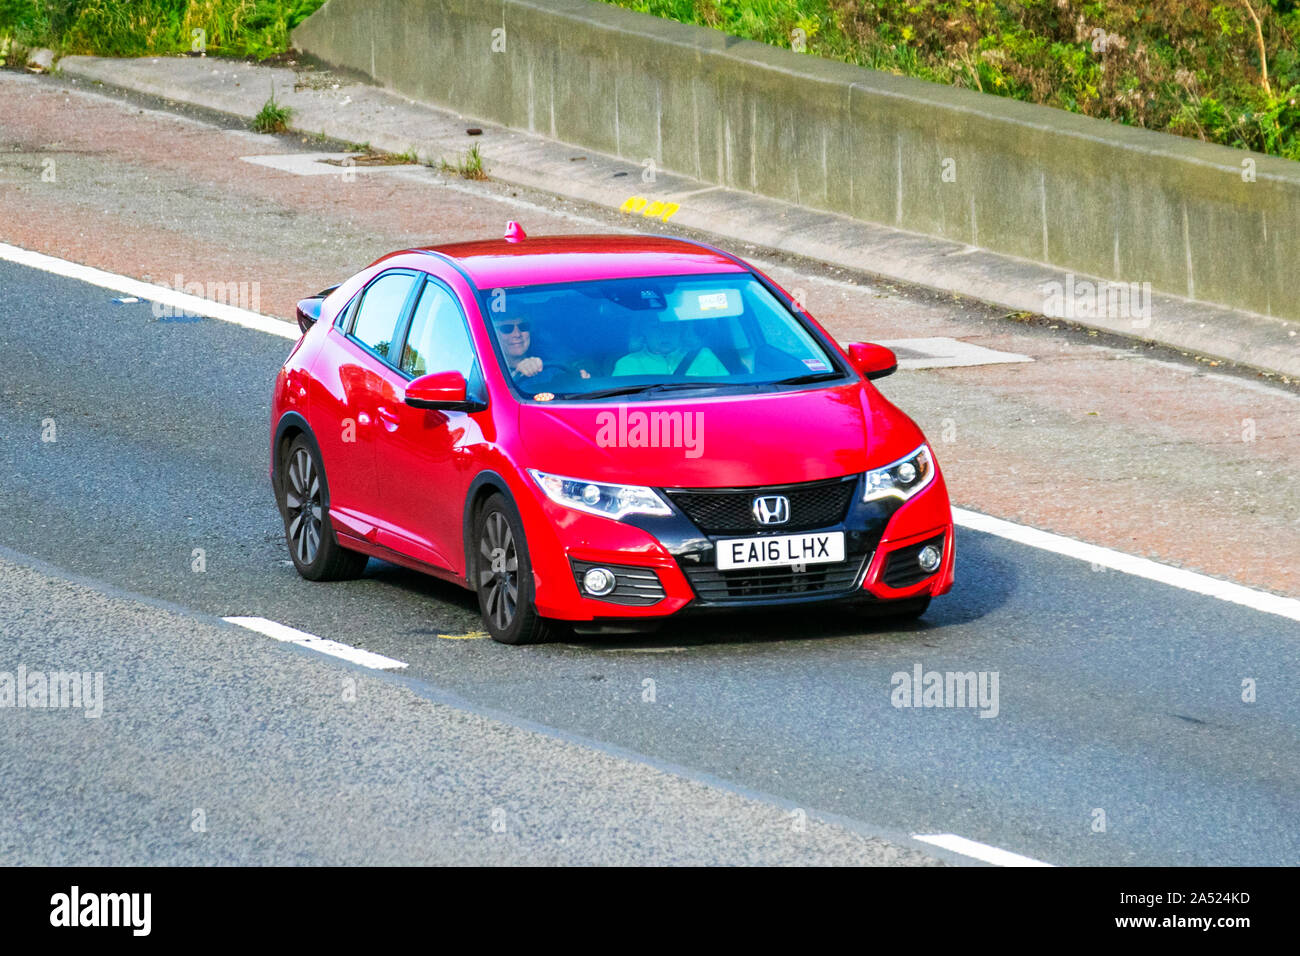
x,y
154,293
1045,540
1139,567
282,632
941,351
980,851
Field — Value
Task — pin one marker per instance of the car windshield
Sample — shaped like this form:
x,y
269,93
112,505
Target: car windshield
x,y
586,341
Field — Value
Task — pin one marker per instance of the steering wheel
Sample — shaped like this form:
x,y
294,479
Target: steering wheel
x,y
561,372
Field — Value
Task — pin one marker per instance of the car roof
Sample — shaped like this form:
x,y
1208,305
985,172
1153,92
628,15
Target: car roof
x,y
503,263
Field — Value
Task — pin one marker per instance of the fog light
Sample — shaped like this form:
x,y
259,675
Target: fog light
x,y
598,581
929,558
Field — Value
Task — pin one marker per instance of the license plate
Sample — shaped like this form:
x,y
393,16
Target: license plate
x,y
783,550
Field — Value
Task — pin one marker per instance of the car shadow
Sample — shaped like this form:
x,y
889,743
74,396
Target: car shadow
x,y
985,581
421,585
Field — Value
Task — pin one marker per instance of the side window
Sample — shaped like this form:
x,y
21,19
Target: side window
x,y
345,313
380,311
438,340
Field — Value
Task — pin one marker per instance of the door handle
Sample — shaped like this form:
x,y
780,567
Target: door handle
x,y
388,418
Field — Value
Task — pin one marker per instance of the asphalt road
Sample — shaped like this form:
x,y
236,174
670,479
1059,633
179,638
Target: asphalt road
x,y
1115,693
207,748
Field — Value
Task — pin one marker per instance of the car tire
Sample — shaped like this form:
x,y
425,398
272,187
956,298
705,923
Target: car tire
x,y
503,576
314,548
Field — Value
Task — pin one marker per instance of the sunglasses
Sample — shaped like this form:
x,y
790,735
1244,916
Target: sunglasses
x,y
508,328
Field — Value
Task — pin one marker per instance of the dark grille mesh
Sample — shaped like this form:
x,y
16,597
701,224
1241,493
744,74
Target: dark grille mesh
x,y
813,504
712,586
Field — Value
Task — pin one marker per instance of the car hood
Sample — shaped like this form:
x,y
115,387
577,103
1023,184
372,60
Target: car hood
x,y
728,441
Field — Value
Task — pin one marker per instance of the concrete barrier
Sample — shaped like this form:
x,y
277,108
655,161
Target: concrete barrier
x,y
1205,222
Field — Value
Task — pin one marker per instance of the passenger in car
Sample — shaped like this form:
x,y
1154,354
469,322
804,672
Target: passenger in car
x,y
666,352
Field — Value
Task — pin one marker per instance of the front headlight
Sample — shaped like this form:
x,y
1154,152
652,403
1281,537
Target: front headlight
x,y
903,478
598,498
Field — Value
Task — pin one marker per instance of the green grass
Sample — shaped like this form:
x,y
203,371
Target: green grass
x,y
273,117
1190,67
244,28
471,167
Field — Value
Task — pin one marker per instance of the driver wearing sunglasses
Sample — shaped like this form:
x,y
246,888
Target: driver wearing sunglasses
x,y
515,336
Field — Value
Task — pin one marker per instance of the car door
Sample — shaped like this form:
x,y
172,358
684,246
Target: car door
x,y
425,460
354,410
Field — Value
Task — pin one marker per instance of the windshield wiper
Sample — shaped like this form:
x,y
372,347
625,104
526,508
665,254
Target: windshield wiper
x,y
640,389
607,392
808,379
679,386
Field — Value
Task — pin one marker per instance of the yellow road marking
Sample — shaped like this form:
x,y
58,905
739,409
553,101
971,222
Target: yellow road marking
x,y
651,210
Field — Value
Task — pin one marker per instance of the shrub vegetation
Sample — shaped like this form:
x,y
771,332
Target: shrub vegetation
x,y
1227,71
256,28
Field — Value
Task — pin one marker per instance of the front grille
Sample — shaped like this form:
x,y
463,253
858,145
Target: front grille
x,y
813,504
634,587
902,569
712,586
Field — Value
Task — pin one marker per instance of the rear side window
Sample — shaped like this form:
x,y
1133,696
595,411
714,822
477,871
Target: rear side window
x,y
345,314
438,340
380,311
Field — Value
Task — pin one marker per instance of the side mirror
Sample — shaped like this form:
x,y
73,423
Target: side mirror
x,y
309,308
441,390
872,361
309,311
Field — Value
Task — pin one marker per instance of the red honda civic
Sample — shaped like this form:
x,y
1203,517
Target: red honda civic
x,y
598,433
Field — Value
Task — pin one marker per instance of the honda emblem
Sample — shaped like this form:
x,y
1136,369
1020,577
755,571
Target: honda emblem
x,y
772,509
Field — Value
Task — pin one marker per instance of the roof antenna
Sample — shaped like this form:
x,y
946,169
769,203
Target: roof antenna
x,y
515,232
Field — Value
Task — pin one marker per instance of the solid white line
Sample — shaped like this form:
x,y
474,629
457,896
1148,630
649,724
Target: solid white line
x,y
154,293
292,635
1139,567
1023,534
980,851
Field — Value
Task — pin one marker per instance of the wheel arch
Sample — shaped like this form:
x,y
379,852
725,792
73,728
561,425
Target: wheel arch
x,y
482,488
290,426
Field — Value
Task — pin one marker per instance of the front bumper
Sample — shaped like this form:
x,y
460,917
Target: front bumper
x,y
881,541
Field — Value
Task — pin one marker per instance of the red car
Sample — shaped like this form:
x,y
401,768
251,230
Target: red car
x,y
600,432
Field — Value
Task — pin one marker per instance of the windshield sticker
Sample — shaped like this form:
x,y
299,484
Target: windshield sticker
x,y
709,304
816,365
544,396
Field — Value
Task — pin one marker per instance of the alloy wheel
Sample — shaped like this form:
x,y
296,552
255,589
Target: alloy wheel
x,y
498,575
303,506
